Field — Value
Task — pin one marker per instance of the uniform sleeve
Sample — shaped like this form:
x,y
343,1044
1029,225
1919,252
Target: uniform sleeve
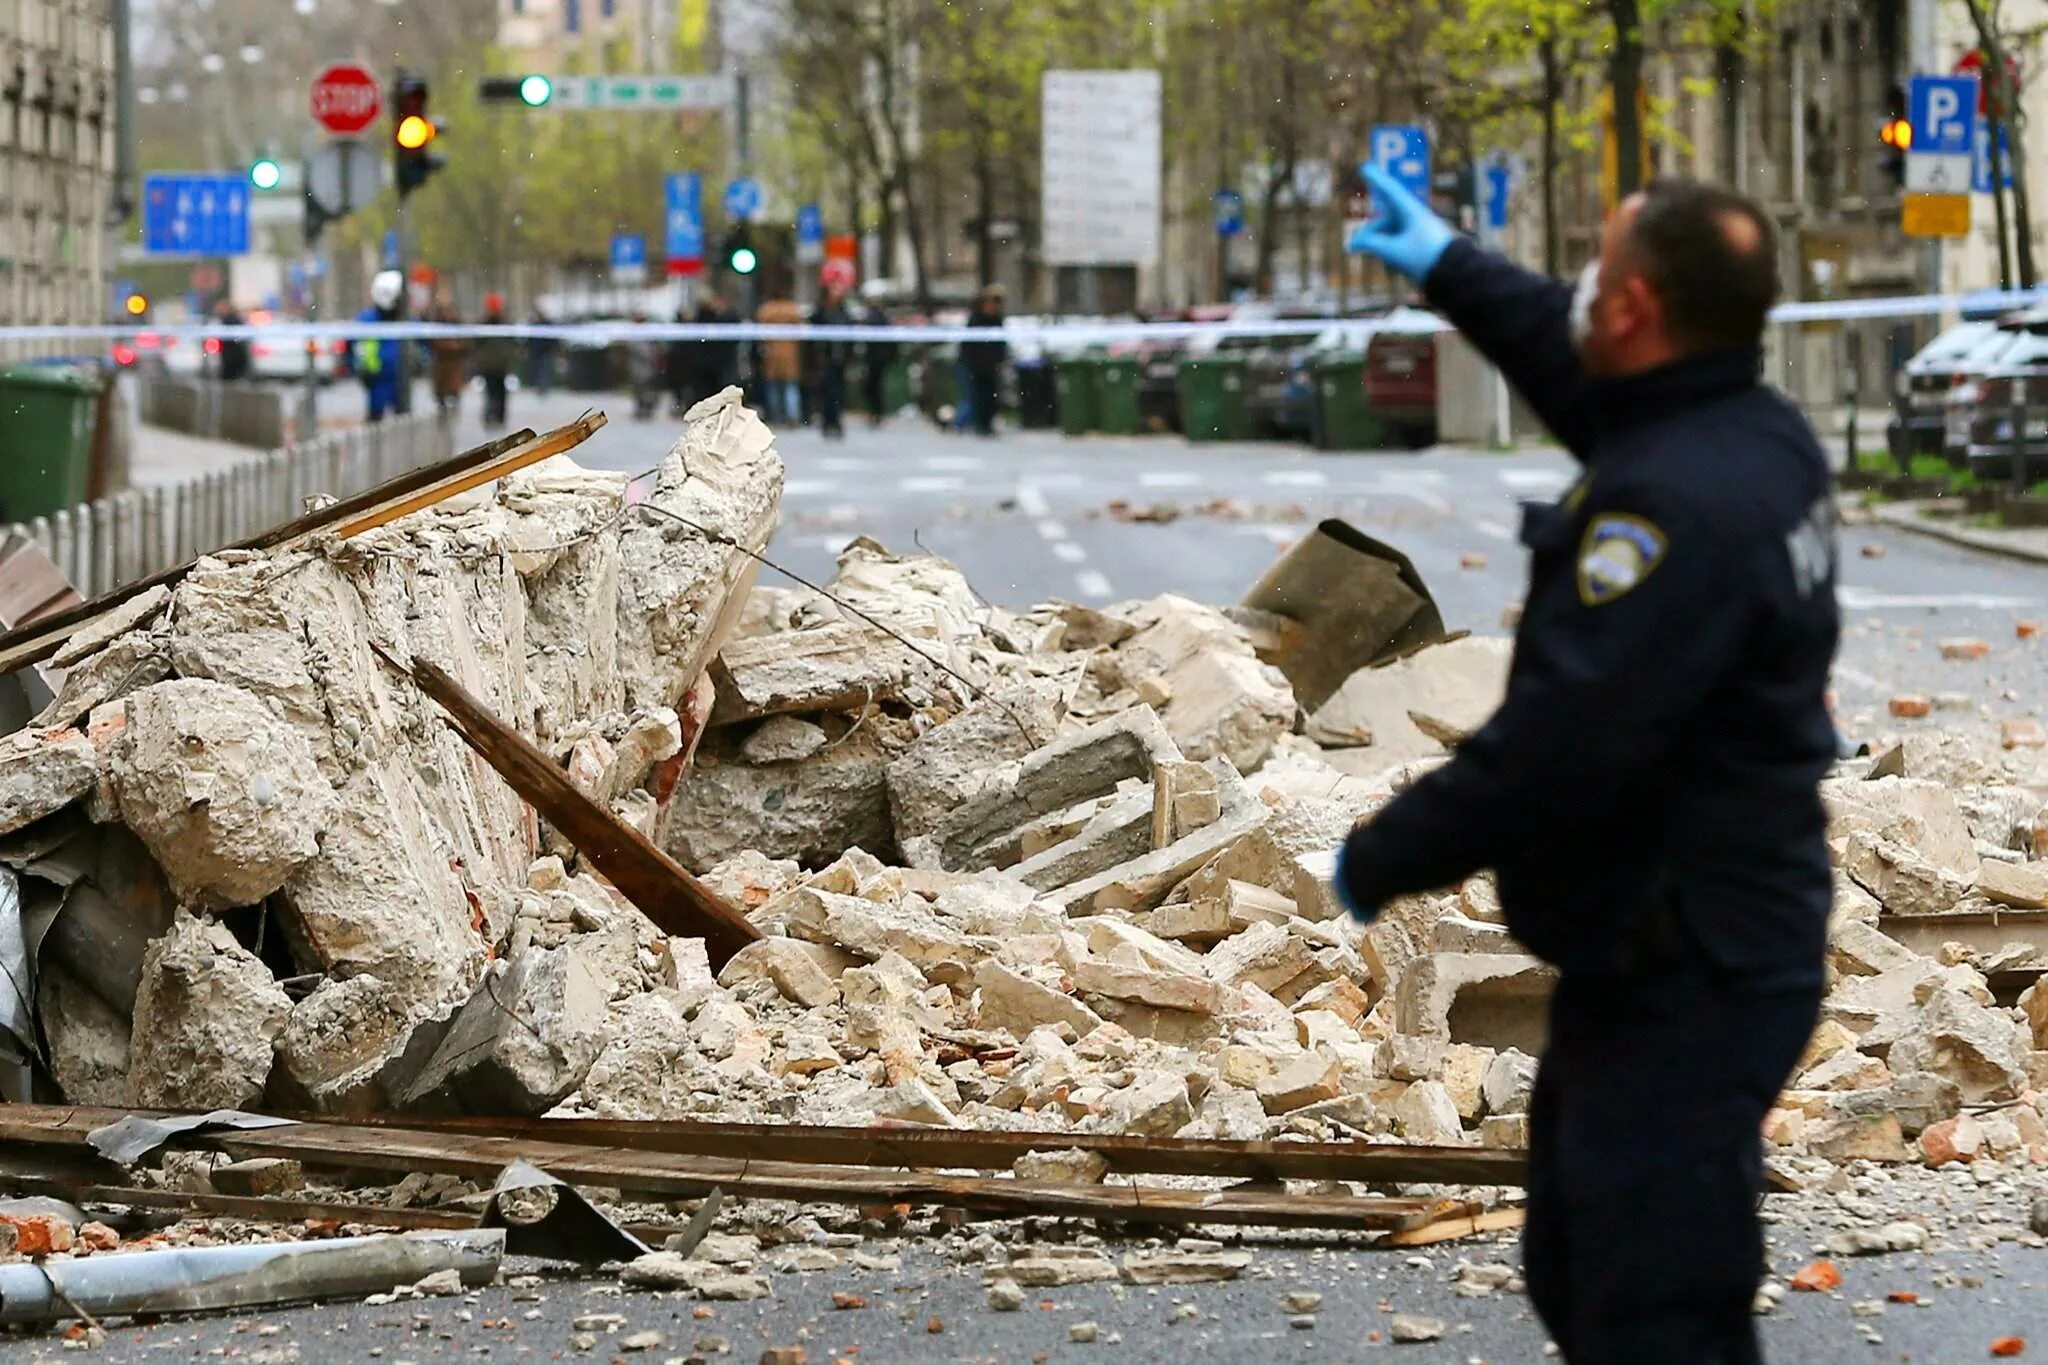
x,y
1613,659
1521,321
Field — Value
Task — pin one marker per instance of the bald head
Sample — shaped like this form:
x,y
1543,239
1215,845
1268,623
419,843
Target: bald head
x,y
1710,257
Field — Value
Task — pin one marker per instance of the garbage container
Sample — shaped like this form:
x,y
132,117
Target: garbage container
x,y
939,393
1038,398
47,417
1117,381
1343,419
1212,399
1074,376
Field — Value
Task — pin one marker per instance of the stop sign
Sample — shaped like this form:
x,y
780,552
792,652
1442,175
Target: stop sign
x,y
345,98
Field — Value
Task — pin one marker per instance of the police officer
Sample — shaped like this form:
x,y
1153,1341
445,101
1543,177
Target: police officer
x,y
1647,794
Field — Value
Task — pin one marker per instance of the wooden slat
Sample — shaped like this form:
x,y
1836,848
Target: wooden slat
x,y
1449,1227
668,1176
38,639
677,902
952,1149
556,442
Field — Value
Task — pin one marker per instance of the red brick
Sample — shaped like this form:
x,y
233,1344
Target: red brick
x,y
1911,706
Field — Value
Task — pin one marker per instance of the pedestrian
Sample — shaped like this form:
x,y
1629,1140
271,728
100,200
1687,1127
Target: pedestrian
x,y
983,360
540,353
781,365
374,360
495,357
832,358
699,369
643,372
450,357
877,355
1647,794
233,360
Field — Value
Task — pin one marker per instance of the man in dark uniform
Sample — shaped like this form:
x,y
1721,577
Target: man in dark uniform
x,y
1648,792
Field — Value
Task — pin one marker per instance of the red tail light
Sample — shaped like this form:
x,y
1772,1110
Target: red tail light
x,y
124,356
213,345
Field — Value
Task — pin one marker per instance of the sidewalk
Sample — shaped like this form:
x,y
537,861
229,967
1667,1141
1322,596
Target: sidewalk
x,y
160,457
2024,543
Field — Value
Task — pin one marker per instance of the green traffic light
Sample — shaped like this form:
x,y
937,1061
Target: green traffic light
x,y
265,174
534,91
744,261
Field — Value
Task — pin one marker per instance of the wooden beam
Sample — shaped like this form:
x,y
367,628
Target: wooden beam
x,y
677,903
957,1149
38,639
1448,1227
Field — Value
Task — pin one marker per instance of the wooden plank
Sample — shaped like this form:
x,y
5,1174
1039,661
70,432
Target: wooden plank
x,y
556,442
37,640
1452,1227
954,1149
667,1176
675,901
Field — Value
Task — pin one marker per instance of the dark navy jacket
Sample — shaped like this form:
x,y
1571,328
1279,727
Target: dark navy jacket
x,y
1650,784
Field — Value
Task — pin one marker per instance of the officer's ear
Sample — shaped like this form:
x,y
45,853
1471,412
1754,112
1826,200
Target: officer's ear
x,y
1637,310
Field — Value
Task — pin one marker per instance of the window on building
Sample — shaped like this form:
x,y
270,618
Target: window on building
x,y
607,8
572,15
519,6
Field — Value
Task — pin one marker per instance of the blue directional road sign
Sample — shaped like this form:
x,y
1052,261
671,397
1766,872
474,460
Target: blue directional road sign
x,y
195,215
1943,112
810,225
742,199
683,239
1497,183
629,251
1402,151
391,254
1980,163
1229,213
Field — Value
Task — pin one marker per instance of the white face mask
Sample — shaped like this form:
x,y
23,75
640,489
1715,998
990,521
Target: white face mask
x,y
1583,294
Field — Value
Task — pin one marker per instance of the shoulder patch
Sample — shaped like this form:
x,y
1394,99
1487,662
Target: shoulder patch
x,y
1619,551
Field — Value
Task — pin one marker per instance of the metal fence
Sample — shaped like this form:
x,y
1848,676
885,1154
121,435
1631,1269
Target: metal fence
x,y
102,545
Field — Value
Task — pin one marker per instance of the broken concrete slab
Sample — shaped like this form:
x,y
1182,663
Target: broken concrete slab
x,y
812,810
839,666
1145,881
41,772
1222,702
523,1042
1489,999
127,664
1016,1004
963,759
206,1015
782,739
1455,686
806,973
228,798
2023,886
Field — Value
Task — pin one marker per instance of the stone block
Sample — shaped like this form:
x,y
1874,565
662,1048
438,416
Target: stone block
x,y
1488,999
1221,702
1509,1081
266,1176
523,1042
1016,1004
806,973
206,1015
1426,1114
1264,955
2023,886
1304,1079
811,811
839,666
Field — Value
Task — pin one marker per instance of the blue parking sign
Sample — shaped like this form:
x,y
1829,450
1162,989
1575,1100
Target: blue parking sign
x,y
810,225
1943,112
1402,151
683,240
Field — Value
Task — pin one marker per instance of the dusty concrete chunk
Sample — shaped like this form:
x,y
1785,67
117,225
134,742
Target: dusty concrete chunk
x,y
1053,1271
1413,1327
1153,1105
1453,687
41,772
804,972
1168,990
1303,1080
1859,949
88,1038
1073,1166
1264,955
812,810
205,1017
1184,1267
962,759
1870,1137
1426,1114
1979,1048
1221,701
94,636
1489,999
1017,1004
840,666
2021,885
129,663
782,739
259,1176
523,1042
1509,1081
228,798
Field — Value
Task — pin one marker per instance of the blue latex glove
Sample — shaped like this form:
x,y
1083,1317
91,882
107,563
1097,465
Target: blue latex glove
x,y
1404,233
1341,884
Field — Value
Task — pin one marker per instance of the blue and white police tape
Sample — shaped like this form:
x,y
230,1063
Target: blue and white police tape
x,y
1052,334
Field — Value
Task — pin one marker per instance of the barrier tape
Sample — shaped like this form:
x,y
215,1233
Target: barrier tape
x,y
1053,335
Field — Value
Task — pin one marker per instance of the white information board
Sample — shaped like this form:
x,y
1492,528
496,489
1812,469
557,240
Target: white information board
x,y
1101,183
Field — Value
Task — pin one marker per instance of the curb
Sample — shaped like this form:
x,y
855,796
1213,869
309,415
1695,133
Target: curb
x,y
1905,518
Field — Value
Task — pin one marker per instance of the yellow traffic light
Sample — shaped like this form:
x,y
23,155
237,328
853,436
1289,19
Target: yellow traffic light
x,y
1896,132
136,305
414,132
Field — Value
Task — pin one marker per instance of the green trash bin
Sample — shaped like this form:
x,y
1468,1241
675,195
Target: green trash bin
x,y
1074,378
1117,381
1212,399
896,386
1343,419
47,418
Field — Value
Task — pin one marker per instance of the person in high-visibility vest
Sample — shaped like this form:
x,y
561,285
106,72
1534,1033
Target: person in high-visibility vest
x,y
374,360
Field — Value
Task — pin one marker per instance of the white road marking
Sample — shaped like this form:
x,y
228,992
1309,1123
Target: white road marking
x,y
1168,478
959,464
931,483
1296,478
842,464
1487,527
1534,480
1068,551
1052,530
808,488
1863,599
832,545
1092,583
843,512
1849,674
1031,501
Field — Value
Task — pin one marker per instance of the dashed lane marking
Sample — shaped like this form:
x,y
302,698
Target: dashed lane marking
x,y
1092,583
1069,552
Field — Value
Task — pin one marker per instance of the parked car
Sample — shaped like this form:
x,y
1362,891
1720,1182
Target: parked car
x,y
1921,387
1281,391
2002,409
1400,376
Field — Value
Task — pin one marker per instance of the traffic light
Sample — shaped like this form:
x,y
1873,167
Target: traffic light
x,y
532,90
136,305
738,251
412,134
1895,133
265,173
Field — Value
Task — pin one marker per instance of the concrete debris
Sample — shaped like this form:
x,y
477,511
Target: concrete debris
x,y
206,1016
1411,708
41,772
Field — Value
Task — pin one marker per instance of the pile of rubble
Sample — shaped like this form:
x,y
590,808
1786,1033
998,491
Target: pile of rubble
x,y
1063,870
